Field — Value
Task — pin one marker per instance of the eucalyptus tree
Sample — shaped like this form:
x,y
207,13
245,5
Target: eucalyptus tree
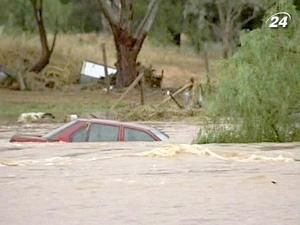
x,y
129,33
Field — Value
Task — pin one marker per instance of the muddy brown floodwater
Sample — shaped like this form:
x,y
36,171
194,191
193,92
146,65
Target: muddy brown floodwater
x,y
148,183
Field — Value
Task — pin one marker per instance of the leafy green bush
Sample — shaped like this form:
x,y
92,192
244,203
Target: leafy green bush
x,y
258,92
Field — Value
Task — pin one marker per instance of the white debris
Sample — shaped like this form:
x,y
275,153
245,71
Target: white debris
x,y
71,117
110,88
33,116
3,76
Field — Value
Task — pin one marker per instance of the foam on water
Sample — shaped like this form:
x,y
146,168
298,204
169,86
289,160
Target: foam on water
x,y
203,150
164,151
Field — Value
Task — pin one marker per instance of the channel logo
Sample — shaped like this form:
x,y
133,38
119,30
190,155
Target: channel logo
x,y
279,20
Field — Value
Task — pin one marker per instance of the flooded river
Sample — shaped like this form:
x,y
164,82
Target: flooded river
x,y
148,183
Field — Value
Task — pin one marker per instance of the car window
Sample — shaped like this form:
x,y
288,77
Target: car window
x,y
162,136
101,132
80,135
53,135
136,135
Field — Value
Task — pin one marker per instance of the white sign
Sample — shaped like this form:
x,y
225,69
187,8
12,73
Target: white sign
x,y
95,70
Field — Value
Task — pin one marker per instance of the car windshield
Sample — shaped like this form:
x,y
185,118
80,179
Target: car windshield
x,y
53,135
162,136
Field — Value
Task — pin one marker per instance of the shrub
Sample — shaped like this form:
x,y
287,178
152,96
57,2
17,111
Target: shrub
x,y
258,92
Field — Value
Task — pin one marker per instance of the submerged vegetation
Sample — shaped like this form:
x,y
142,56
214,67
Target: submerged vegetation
x,y
258,91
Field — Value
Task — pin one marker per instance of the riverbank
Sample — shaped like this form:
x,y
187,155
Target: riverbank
x,y
96,102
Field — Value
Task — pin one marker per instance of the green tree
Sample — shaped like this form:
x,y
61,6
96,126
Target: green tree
x,y
84,16
168,26
221,20
17,15
258,90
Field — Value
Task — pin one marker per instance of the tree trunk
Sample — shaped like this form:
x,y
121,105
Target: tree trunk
x,y
226,42
41,63
126,66
226,49
46,51
128,49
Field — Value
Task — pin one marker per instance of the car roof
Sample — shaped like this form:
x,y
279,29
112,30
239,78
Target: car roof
x,y
116,123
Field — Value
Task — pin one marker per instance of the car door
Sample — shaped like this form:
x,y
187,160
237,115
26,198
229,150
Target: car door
x,y
100,132
131,134
81,134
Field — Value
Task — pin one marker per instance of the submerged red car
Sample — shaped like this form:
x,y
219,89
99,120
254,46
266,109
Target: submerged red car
x,y
96,130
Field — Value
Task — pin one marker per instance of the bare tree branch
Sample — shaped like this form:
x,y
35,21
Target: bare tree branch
x,y
220,12
213,25
40,9
126,14
123,11
46,52
38,12
108,12
254,14
146,23
54,37
229,11
53,42
35,9
237,13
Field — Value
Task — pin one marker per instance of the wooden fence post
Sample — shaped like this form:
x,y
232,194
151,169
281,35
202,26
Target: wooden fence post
x,y
132,85
176,93
107,80
142,86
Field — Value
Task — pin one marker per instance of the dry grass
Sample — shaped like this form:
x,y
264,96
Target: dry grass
x,y
16,53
